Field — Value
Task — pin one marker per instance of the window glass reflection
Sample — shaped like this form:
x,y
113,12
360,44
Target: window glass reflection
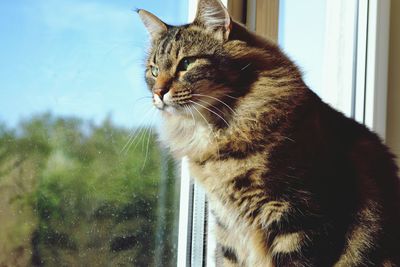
x,y
83,180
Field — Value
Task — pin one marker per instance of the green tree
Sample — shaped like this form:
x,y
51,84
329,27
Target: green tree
x,y
88,203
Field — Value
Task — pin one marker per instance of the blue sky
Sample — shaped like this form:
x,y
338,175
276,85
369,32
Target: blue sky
x,y
85,57
72,57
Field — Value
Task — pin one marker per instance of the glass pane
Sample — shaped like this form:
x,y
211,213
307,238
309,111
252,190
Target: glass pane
x,y
321,36
302,36
83,181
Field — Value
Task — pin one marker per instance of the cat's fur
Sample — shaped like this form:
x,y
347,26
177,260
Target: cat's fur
x,y
291,181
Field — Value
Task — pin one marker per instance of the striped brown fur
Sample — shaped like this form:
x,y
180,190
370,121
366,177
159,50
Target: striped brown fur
x,y
291,181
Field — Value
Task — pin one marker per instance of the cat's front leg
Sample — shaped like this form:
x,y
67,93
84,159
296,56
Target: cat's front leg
x,y
226,257
306,248
288,249
225,253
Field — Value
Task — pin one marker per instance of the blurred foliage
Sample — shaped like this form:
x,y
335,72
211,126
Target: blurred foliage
x,y
70,197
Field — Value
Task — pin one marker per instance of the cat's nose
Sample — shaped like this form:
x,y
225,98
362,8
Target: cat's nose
x,y
160,92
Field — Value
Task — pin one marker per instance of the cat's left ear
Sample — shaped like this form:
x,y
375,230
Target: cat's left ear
x,y
153,24
213,15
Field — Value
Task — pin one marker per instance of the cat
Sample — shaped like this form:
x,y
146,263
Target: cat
x,y
290,180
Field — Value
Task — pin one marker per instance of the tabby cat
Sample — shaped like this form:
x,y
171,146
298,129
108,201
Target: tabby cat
x,y
290,181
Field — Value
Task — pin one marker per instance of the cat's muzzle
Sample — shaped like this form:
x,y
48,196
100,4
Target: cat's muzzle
x,y
158,102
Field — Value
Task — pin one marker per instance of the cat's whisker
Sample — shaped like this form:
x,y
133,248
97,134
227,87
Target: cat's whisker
x,y
231,96
245,67
186,109
131,135
147,148
139,136
135,131
201,115
143,97
141,139
148,140
290,139
136,140
135,136
210,127
227,124
191,112
211,105
222,102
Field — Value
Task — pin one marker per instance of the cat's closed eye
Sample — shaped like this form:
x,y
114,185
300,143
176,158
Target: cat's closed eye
x,y
185,63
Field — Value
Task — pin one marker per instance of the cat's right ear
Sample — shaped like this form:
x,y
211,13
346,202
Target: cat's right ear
x,y
153,24
213,15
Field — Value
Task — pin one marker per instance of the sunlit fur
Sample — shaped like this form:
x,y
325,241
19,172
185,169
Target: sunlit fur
x,y
291,181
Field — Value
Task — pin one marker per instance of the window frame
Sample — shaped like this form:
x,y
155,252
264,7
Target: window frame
x,y
367,73
377,64
368,81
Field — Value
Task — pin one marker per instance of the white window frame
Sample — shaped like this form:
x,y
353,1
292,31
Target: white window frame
x,y
365,73
377,63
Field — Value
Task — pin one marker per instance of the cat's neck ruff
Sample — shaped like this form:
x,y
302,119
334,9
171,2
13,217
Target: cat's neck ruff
x,y
186,137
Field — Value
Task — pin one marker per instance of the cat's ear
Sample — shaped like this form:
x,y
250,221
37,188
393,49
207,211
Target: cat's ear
x,y
213,15
153,24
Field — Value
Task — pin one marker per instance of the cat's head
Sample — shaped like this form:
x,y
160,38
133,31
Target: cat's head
x,y
197,69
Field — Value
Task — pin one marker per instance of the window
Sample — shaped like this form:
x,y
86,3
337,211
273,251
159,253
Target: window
x,y
82,180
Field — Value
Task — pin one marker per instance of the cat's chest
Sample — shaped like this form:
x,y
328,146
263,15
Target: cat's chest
x,y
235,230
184,137
239,235
224,179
